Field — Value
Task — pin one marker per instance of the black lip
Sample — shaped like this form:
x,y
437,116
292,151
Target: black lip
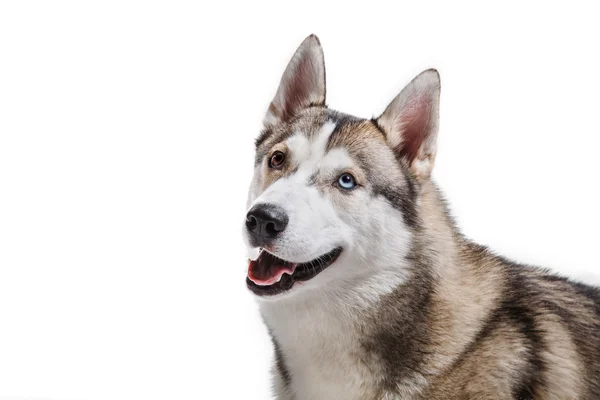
x,y
303,272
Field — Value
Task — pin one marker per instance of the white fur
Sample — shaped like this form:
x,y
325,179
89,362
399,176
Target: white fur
x,y
316,322
314,228
363,226
310,162
299,147
336,160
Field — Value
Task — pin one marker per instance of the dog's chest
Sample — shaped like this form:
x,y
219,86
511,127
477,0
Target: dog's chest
x,y
326,370
323,357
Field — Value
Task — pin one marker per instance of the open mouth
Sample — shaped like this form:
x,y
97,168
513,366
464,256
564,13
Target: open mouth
x,y
269,275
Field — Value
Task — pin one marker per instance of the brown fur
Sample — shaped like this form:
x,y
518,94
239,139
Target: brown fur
x,y
476,326
465,323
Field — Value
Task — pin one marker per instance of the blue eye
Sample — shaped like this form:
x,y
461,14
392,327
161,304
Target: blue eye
x,y
346,181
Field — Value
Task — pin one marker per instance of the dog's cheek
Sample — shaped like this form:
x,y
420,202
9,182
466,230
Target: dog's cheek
x,y
350,206
350,209
388,238
332,227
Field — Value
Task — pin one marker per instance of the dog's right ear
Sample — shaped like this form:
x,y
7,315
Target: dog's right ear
x,y
302,84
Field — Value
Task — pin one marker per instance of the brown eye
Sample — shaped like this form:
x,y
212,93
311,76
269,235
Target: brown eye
x,y
276,160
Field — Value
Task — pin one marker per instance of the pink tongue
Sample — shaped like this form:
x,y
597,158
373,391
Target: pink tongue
x,y
268,269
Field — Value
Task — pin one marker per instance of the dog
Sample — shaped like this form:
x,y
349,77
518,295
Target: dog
x,y
365,284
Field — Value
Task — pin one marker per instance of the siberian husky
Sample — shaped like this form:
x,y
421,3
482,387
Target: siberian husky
x,y
367,287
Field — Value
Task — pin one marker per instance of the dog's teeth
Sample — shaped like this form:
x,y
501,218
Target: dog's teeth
x,y
253,254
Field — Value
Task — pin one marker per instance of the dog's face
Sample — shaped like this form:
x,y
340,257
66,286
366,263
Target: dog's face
x,y
334,198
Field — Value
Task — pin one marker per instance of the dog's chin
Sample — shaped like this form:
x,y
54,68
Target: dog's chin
x,y
270,275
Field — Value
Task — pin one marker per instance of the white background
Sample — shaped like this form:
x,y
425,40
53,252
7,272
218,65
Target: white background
x,y
126,148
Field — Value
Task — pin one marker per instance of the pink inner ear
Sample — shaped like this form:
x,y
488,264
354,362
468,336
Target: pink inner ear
x,y
414,122
298,92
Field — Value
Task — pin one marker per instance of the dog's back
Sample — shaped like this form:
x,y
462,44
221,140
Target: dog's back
x,y
539,340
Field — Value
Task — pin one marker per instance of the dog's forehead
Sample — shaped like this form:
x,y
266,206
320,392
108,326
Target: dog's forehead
x,y
318,131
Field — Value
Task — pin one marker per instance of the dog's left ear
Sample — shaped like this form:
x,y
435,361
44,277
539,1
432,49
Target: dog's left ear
x,y
302,84
411,123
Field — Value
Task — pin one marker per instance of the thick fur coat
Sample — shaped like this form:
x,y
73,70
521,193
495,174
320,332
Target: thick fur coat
x,y
402,306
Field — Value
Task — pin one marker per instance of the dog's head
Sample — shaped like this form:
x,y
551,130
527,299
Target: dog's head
x,y
334,197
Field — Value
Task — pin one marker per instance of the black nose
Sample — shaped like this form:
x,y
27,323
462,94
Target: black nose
x,y
264,222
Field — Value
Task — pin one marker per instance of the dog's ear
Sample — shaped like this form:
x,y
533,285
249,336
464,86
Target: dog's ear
x,y
302,83
411,123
